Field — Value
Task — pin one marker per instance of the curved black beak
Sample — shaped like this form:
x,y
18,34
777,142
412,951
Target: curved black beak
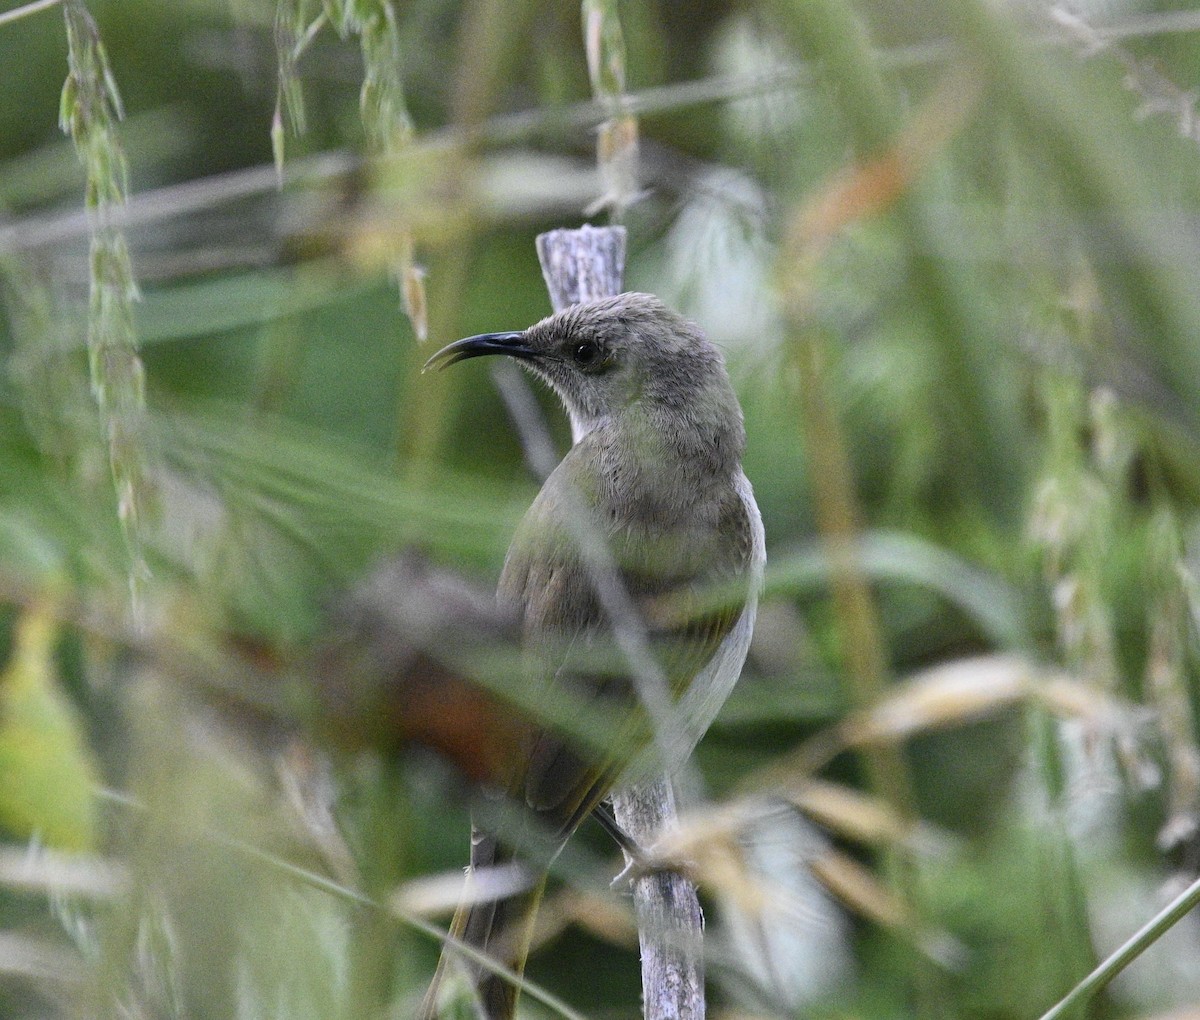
x,y
512,344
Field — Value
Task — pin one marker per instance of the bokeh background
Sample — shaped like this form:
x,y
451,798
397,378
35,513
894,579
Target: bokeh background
x,y
950,250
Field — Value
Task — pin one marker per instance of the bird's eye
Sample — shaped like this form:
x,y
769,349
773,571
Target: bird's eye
x,y
586,354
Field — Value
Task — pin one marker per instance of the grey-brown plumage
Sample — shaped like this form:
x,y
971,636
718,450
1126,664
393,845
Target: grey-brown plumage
x,y
655,471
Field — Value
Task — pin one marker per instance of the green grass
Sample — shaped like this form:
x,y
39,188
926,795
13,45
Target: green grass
x,y
951,259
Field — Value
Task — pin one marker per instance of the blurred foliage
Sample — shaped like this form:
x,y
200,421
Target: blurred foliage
x,y
950,251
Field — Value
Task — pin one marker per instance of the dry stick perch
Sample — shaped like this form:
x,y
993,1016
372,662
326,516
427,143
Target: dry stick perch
x,y
583,265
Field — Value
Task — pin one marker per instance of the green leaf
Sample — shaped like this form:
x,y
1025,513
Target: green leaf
x,y
47,774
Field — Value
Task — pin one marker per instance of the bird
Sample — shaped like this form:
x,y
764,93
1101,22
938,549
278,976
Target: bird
x,y
654,474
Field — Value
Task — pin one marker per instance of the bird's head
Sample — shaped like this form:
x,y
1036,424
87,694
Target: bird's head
x,y
606,356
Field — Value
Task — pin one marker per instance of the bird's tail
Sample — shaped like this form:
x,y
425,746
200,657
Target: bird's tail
x,y
501,928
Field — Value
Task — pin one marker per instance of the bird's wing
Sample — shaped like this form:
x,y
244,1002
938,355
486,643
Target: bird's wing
x,y
688,612
688,621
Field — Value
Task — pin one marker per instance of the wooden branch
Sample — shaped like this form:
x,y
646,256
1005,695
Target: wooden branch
x,y
583,265
670,925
